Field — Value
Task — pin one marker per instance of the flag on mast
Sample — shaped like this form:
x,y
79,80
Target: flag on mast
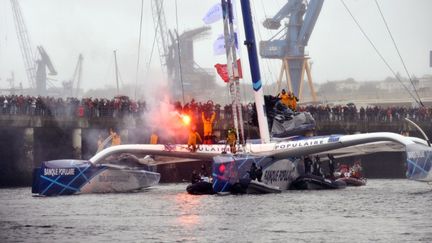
x,y
222,70
219,45
213,14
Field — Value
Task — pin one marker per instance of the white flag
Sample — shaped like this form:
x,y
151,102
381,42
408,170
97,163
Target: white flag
x,y
219,45
214,14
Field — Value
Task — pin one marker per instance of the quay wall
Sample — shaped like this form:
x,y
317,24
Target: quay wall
x,y
26,141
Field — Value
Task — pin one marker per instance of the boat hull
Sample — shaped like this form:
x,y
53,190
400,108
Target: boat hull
x,y
350,181
229,171
67,177
200,188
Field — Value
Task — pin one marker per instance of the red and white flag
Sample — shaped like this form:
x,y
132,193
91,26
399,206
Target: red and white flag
x,y
223,71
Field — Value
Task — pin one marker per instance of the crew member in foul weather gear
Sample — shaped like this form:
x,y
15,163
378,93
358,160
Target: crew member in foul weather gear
x,y
203,172
284,98
116,139
307,164
317,167
292,101
259,173
331,165
195,177
232,140
154,138
193,138
208,127
356,170
253,171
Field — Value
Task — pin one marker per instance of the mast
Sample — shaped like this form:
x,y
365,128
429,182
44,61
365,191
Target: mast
x,y
234,84
255,71
116,70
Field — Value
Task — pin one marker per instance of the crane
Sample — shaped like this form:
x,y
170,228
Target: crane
x,y
290,47
41,75
183,67
24,42
161,34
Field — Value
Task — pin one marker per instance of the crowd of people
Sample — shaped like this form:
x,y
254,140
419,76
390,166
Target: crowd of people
x,y
72,107
123,105
350,112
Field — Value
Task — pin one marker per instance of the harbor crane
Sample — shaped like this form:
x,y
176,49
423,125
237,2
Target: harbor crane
x,y
35,69
41,75
290,45
176,54
161,35
72,86
24,42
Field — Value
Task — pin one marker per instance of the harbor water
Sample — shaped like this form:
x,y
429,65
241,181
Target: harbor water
x,y
381,211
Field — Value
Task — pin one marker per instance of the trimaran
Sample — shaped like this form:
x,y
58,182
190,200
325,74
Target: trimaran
x,y
279,160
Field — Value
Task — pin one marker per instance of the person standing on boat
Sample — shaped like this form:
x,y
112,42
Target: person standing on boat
x,y
195,177
253,171
259,173
232,140
284,98
116,139
308,164
193,138
292,101
208,127
331,165
154,138
356,169
317,167
203,175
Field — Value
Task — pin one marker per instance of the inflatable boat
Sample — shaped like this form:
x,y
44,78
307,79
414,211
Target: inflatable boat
x,y
312,182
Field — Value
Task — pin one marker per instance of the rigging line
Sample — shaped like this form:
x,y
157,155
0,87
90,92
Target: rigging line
x,y
139,49
379,54
178,54
265,87
151,53
397,50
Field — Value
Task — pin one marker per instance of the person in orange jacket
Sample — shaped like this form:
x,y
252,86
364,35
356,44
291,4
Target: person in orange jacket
x,y
154,138
232,140
292,101
208,127
284,98
116,139
193,138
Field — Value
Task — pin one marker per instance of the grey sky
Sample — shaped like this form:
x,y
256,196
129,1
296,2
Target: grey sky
x,y
96,27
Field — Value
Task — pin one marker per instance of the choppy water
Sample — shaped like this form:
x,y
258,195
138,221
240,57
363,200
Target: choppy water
x,y
382,211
